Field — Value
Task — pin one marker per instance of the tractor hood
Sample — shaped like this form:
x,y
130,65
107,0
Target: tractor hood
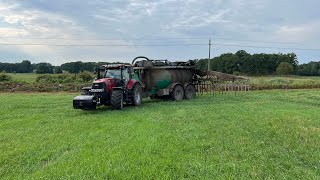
x,y
109,82
104,80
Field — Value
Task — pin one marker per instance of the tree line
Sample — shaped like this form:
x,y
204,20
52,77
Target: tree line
x,y
237,63
46,68
309,69
24,67
242,62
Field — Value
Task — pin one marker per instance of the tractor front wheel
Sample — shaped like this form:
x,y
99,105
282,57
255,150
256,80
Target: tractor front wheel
x,y
117,99
178,93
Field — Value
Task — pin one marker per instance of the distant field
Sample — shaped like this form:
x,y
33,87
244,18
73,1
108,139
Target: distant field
x,y
260,134
258,79
24,77
291,82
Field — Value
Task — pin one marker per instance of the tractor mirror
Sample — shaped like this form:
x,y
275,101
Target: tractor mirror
x,y
95,71
129,69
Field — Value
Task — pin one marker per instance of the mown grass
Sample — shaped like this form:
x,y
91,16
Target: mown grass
x,y
261,134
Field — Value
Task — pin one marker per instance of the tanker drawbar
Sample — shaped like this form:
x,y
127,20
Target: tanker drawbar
x,y
84,102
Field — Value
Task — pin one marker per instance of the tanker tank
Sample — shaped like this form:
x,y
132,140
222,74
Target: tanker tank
x,y
162,75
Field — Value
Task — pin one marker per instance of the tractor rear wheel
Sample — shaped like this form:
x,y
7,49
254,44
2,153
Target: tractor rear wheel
x,y
190,92
178,93
117,99
137,95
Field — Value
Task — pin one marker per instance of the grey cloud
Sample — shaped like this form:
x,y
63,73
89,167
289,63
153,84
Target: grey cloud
x,y
258,20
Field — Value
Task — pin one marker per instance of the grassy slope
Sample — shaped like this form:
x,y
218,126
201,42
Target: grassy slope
x,y
263,134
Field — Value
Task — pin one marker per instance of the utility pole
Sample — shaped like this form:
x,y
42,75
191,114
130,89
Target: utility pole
x,y
209,54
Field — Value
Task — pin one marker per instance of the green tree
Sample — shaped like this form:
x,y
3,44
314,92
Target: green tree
x,y
58,70
285,68
44,68
242,54
202,64
25,67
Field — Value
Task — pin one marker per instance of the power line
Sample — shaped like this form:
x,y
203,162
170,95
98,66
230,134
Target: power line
x,y
159,39
269,47
88,45
103,39
153,45
270,42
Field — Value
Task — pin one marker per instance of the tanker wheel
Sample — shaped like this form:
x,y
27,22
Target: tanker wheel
x,y
178,93
190,92
137,95
117,99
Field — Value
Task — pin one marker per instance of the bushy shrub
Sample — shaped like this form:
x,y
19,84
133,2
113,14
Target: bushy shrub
x,y
279,81
45,79
236,73
5,77
86,76
284,68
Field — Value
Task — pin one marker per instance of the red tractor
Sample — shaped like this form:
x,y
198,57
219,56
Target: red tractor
x,y
114,87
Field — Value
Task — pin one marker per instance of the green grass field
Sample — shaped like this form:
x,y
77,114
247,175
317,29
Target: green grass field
x,y
261,134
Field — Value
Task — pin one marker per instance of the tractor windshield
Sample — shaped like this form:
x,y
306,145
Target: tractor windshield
x,y
113,73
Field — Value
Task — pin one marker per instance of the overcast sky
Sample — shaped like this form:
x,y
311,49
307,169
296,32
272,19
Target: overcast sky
x,y
163,29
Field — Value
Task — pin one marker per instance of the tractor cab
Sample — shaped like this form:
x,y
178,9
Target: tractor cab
x,y
118,72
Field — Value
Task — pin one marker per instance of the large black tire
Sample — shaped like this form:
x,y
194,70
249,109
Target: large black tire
x,y
178,93
190,92
136,95
117,99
